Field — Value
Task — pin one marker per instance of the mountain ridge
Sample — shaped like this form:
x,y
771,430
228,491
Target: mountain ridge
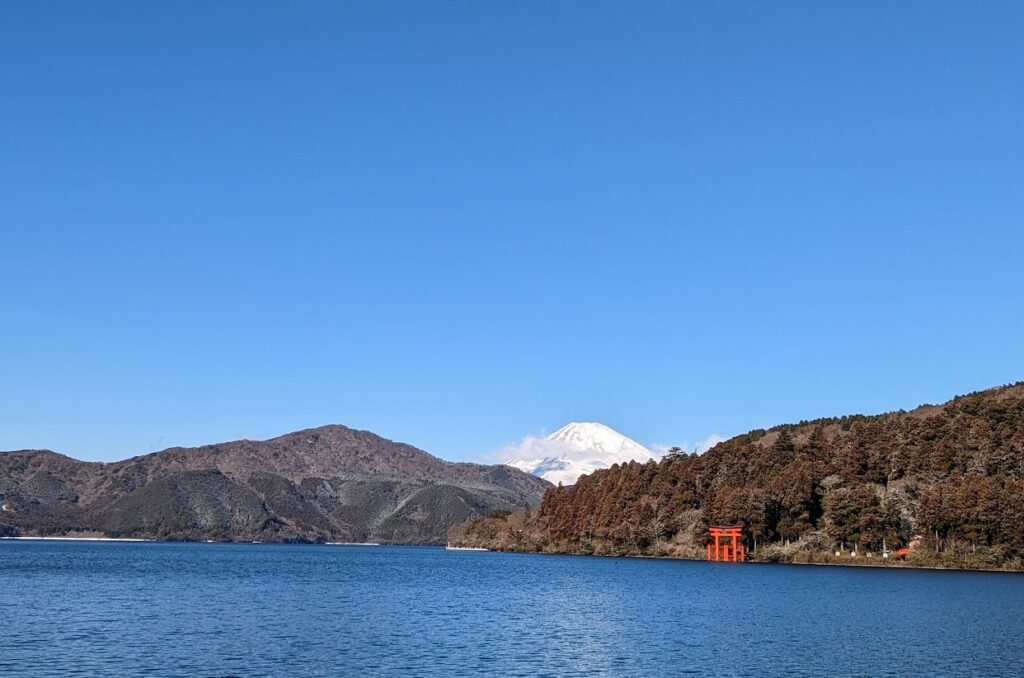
x,y
330,483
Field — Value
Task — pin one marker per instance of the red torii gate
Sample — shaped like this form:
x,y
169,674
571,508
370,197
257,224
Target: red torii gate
x,y
722,552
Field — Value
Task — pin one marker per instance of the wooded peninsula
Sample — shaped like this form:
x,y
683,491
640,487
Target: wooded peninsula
x,y
941,486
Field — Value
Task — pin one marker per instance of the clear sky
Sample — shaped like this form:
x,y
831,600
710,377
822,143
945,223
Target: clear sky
x,y
460,223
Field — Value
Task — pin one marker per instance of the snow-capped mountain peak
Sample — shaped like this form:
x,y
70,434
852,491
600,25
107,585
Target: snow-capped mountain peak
x,y
576,449
613,446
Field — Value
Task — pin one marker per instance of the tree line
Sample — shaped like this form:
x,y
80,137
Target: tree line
x,y
947,480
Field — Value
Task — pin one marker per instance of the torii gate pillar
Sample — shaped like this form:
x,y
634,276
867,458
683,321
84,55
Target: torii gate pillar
x,y
734,552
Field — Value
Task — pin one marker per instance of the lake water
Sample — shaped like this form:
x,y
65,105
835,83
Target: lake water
x,y
225,609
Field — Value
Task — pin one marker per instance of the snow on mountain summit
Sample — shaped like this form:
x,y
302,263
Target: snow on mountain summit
x,y
574,450
613,446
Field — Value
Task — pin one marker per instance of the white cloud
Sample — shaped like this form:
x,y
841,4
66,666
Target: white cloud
x,y
659,450
535,449
703,446
700,447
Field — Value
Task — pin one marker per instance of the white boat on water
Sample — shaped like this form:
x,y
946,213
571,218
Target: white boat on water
x,y
449,547
351,543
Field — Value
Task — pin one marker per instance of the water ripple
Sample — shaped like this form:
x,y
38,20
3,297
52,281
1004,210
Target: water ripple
x,y
281,610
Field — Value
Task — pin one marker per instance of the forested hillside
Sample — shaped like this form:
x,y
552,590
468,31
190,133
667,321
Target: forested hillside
x,y
946,480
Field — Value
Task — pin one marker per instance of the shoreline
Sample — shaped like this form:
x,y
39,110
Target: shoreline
x,y
78,539
215,541
874,566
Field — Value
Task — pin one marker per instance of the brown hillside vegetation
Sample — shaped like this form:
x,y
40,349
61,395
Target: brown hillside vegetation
x,y
946,479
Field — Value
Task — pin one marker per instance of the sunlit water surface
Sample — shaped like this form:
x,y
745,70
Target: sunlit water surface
x,y
224,609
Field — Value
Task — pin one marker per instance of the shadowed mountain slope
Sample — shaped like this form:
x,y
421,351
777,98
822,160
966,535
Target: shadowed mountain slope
x,y
330,483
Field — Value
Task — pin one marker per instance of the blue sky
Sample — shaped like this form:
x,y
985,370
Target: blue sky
x,y
457,224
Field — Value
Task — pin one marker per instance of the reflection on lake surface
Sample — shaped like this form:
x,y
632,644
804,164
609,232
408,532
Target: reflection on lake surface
x,y
262,609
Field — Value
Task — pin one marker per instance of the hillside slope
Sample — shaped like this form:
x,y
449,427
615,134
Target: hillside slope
x,y
947,479
330,483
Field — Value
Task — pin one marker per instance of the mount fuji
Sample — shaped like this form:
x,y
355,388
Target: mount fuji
x,y
576,449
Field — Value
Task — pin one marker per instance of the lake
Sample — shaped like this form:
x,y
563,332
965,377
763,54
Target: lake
x,y
165,609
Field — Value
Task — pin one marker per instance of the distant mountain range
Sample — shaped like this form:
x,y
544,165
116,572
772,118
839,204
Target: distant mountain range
x,y
324,484
578,449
